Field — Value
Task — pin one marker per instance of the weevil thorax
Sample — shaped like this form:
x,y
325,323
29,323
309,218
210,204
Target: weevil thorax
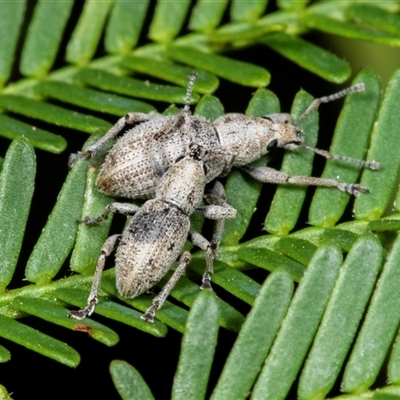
x,y
183,184
249,138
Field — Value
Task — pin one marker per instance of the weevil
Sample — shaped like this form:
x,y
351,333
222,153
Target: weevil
x,y
154,238
152,161
145,152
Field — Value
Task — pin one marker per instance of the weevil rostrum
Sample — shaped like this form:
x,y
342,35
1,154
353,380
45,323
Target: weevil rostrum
x,y
170,159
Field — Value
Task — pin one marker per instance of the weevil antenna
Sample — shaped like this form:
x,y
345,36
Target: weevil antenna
x,y
366,164
326,99
192,79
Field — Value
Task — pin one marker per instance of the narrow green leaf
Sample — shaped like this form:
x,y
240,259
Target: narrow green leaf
x,y
17,182
247,10
209,107
239,72
375,16
351,139
124,26
91,99
394,363
349,30
86,36
390,392
384,149
207,15
383,225
58,236
197,351
378,330
299,326
14,129
308,56
134,87
51,113
271,261
262,103
128,382
90,239
186,292
12,14
58,315
255,338
38,341
242,192
5,356
295,5
345,239
168,19
110,310
44,36
4,395
174,73
281,219
299,249
169,314
343,314
232,280
240,31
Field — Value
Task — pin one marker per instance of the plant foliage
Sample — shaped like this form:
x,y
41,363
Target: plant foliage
x,y
316,317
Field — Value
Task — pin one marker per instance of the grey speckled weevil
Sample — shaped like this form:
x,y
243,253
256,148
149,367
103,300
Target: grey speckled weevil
x,y
170,159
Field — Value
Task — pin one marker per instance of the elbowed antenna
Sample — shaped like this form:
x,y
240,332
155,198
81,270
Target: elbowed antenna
x,y
366,164
326,99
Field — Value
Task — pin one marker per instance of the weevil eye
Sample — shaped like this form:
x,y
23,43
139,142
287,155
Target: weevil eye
x,y
273,144
298,133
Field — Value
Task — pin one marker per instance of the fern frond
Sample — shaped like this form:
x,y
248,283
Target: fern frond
x,y
67,75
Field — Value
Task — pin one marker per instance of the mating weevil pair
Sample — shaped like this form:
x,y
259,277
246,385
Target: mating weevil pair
x,y
170,159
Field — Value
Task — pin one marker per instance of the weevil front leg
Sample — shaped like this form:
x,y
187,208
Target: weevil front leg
x,y
121,208
270,175
159,300
129,119
108,247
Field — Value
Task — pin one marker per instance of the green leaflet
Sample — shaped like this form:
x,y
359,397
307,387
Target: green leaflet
x,y
16,190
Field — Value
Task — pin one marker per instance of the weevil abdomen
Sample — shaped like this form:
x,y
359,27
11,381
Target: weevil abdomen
x,y
149,246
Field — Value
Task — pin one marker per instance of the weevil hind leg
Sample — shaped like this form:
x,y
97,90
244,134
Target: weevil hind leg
x,y
159,300
270,175
108,247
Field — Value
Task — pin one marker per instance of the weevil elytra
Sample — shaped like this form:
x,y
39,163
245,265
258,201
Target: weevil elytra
x,y
170,159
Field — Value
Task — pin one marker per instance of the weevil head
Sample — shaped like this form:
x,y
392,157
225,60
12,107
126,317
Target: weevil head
x,y
286,134
249,138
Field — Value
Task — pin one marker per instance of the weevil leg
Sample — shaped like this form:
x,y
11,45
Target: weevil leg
x,y
220,210
200,241
129,119
121,208
159,300
108,247
270,175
